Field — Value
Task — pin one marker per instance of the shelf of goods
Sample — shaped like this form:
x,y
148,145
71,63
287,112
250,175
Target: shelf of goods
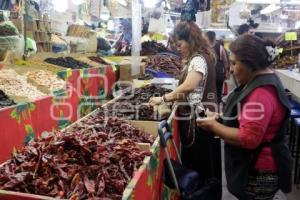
x,y
40,31
290,50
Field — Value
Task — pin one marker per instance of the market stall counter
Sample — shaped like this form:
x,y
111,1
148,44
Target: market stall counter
x,y
290,80
147,180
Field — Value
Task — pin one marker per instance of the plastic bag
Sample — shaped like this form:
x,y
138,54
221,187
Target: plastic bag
x,y
13,43
7,28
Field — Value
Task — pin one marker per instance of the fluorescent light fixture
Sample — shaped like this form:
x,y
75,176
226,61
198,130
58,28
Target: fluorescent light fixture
x,y
231,36
269,9
60,6
122,2
297,25
77,2
150,3
284,16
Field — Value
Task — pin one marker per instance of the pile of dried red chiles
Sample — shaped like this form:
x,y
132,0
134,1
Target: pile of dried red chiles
x,y
95,159
170,64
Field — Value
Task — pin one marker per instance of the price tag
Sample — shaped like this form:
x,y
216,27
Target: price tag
x,y
280,50
290,36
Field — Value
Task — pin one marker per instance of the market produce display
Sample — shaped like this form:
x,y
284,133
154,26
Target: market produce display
x,y
289,56
148,48
8,30
46,78
282,43
135,105
98,60
93,160
5,100
67,62
167,63
284,62
14,84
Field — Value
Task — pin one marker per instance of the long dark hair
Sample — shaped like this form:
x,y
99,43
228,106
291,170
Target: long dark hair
x,y
251,50
199,44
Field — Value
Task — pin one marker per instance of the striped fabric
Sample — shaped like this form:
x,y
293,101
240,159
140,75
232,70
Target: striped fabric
x,y
262,185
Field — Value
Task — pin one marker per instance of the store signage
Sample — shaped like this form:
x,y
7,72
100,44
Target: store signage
x,y
290,36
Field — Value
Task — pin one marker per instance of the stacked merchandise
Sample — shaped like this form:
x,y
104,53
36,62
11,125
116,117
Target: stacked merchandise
x,y
289,57
14,84
78,31
67,62
5,100
8,30
167,63
40,31
134,104
148,48
94,159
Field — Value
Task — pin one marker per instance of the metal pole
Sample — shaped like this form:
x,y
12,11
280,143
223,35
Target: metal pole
x,y
136,36
25,18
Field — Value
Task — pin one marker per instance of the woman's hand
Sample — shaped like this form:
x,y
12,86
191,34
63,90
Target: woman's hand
x,y
155,101
208,122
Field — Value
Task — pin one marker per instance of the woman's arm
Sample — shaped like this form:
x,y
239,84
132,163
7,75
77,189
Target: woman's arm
x,y
191,82
196,71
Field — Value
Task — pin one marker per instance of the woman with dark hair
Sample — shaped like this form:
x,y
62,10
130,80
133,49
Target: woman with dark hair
x,y
257,161
197,88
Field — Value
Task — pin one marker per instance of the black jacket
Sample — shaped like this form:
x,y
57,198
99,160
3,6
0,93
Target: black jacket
x,y
239,161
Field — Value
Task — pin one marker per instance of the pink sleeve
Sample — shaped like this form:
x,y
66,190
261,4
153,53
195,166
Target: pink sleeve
x,y
256,113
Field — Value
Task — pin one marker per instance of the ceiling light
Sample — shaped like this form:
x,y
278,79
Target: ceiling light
x,y
297,25
150,3
77,2
284,16
269,9
60,6
279,29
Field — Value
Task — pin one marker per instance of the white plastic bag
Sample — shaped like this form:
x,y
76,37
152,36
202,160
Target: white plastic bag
x,y
13,43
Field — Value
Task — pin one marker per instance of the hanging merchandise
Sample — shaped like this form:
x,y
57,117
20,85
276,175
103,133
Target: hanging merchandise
x,y
104,14
203,19
204,5
188,12
95,6
157,22
5,5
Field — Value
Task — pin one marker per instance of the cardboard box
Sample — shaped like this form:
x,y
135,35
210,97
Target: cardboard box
x,y
18,23
124,63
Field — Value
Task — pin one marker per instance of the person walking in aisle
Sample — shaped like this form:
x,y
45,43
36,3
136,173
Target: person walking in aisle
x,y
197,89
222,66
257,160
